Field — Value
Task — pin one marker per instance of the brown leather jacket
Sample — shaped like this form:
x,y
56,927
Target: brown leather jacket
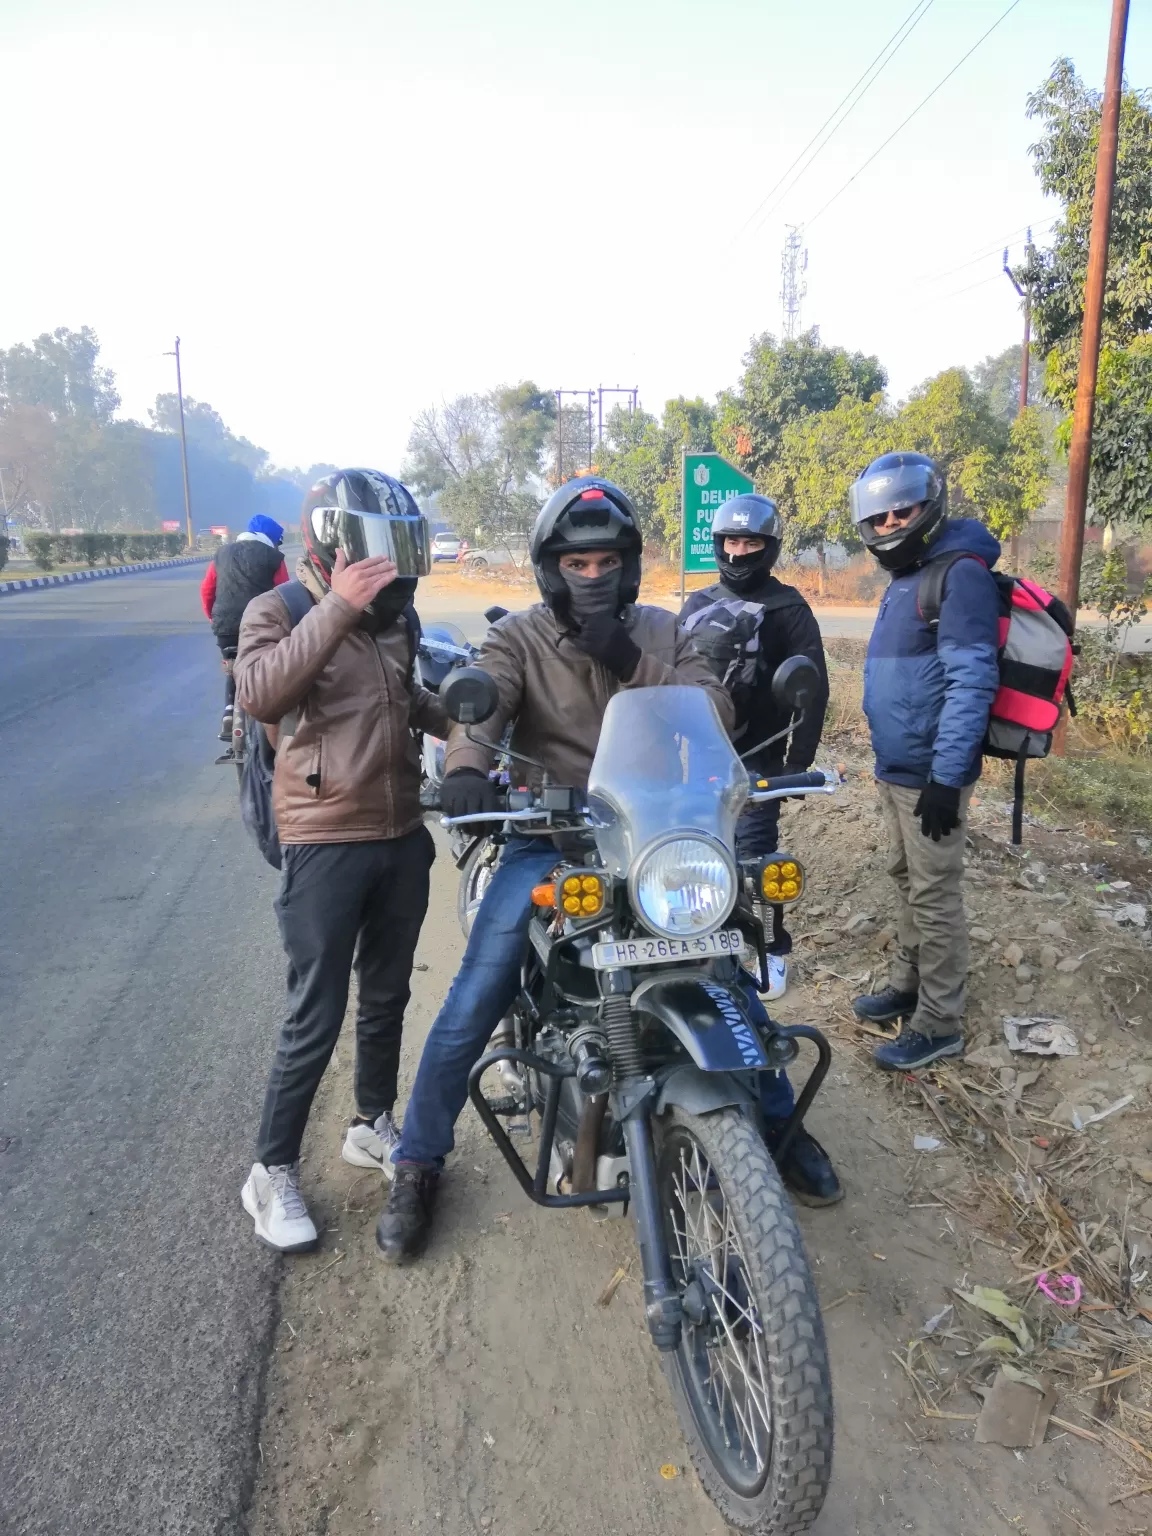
x,y
350,773
557,695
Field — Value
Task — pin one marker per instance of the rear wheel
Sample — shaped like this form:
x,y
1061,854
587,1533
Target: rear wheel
x,y
750,1378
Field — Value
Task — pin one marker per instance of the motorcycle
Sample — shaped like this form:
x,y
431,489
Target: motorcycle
x,y
636,1041
444,647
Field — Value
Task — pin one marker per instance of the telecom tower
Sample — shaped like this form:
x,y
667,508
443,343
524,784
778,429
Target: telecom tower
x,y
793,265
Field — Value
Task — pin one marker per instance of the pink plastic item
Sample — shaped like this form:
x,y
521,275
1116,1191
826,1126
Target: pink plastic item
x,y
1068,1282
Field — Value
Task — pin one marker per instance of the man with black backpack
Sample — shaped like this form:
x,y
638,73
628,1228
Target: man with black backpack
x,y
326,663
930,679
238,573
747,623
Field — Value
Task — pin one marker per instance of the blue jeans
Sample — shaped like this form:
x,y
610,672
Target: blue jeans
x,y
484,990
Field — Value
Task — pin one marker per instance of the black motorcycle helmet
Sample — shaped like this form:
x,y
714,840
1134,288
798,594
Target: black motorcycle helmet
x,y
747,517
585,514
892,483
365,512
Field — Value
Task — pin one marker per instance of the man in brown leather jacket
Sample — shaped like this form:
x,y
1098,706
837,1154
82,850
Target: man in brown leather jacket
x,y
555,669
337,695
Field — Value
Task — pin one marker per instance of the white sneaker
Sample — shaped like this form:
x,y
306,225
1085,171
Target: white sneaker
x,y
272,1198
372,1146
777,976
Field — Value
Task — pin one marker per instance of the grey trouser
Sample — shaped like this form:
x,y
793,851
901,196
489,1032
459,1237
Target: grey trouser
x,y
343,904
931,929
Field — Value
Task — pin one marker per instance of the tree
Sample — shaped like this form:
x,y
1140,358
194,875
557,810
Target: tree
x,y
821,453
205,427
783,381
998,379
1119,490
643,456
1065,162
59,373
483,456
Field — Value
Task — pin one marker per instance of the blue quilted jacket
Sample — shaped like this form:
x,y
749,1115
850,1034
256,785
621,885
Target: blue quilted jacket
x,y
927,695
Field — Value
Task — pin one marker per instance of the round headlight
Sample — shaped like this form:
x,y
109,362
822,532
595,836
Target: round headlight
x,y
683,888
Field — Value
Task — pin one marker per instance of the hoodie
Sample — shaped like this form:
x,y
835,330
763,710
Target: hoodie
x,y
928,694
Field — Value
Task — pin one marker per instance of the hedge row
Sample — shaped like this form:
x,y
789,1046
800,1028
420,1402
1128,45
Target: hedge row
x,y
3,551
90,549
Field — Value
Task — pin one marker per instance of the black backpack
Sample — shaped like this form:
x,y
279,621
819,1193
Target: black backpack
x,y
260,755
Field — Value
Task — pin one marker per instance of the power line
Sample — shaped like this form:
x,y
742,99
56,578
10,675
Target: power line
x,y
992,250
900,128
921,6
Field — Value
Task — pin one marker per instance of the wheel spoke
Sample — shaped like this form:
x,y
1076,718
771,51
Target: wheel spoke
x,y
728,1351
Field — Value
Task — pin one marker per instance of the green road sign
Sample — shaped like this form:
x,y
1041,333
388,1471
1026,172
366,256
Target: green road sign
x,y
709,481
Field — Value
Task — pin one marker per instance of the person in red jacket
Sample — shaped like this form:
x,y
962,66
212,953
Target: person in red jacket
x,y
238,573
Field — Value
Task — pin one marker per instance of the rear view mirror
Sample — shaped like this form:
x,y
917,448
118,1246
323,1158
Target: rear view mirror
x,y
469,696
794,682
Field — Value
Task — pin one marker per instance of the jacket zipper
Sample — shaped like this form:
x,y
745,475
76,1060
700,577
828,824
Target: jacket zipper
x,y
386,699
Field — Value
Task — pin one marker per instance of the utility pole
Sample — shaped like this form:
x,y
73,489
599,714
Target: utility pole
x,y
1080,454
183,446
633,396
1025,358
793,265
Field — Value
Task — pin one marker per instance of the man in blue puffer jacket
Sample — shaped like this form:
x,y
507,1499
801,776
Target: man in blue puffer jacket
x,y
928,690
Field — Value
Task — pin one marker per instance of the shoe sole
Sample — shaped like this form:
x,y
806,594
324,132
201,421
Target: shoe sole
x,y
267,1241
886,1018
817,1202
400,1258
921,1061
357,1159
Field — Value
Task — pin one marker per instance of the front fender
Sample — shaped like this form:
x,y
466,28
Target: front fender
x,y
711,1021
702,1093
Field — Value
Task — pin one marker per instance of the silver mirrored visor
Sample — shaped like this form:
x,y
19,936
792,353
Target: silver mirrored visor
x,y
404,540
890,492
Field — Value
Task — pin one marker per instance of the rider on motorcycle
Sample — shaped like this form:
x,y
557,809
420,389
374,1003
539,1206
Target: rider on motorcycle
x,y
238,573
555,668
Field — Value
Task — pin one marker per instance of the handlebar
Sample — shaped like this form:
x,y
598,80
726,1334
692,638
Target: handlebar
x,y
523,805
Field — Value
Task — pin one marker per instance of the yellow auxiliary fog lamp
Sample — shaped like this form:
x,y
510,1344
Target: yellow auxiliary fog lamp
x,y
781,879
581,893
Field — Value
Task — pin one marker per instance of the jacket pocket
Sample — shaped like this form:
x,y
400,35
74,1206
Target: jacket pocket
x,y
314,778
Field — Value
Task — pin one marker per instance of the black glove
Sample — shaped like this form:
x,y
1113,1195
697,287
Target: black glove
x,y
938,809
467,792
604,638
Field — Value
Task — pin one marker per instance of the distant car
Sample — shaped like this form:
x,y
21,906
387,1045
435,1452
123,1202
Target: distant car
x,y
445,546
480,559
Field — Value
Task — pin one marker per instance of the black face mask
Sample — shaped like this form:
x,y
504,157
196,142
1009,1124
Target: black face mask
x,y
740,572
592,595
387,606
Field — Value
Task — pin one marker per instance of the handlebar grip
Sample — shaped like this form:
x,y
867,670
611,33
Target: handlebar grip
x,y
812,779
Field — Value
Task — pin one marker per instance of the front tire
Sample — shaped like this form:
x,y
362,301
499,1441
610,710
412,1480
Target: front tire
x,y
475,874
750,1379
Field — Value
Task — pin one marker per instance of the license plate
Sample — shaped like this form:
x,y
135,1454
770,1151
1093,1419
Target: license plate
x,y
607,957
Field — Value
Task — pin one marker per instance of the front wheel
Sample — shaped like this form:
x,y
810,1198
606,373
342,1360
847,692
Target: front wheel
x,y
475,875
750,1378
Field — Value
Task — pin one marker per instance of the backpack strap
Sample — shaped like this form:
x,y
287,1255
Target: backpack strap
x,y
930,591
298,600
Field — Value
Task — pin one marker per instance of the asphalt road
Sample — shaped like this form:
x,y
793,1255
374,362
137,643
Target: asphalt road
x,y
140,990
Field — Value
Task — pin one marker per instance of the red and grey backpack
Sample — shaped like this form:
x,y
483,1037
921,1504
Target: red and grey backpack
x,y
1035,658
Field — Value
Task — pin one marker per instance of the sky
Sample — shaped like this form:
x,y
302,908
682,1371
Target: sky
x,y
352,209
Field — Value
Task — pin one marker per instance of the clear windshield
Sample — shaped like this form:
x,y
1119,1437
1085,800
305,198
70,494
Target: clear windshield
x,y
664,763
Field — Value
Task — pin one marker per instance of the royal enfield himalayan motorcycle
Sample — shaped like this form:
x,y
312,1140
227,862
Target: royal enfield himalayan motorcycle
x,y
637,1042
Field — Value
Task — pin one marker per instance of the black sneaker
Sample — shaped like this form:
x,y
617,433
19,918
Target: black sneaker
x,y
806,1168
406,1219
911,1049
226,727
886,1006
